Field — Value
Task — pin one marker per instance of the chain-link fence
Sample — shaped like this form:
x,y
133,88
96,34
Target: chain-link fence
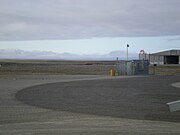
x,y
135,67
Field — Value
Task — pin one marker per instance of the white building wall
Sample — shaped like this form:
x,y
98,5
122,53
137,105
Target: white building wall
x,y
156,59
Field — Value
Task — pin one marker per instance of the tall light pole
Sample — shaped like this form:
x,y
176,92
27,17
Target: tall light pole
x,y
127,52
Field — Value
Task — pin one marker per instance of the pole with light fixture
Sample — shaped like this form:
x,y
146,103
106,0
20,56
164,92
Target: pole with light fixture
x,y
127,52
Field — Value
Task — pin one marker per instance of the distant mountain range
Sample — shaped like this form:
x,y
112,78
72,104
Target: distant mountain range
x,y
49,55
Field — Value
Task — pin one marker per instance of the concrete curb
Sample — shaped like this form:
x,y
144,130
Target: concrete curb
x,y
177,84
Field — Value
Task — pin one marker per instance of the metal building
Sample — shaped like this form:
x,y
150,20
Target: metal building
x,y
161,58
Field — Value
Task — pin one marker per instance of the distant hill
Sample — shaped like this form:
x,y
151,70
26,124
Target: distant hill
x,y
49,55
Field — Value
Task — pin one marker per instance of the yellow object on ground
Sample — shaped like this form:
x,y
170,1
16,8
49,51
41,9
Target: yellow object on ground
x,y
112,72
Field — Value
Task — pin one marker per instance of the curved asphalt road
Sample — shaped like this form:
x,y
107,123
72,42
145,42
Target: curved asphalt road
x,y
141,98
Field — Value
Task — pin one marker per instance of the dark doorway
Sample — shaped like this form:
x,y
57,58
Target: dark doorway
x,y
171,59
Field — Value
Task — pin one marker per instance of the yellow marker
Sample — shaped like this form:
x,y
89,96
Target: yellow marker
x,y
112,72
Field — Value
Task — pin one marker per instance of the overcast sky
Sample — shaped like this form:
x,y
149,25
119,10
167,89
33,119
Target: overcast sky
x,y
90,26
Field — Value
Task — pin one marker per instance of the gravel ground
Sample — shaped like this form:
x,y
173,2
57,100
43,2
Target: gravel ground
x,y
22,119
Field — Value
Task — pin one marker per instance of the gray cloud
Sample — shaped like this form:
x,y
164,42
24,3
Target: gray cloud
x,y
49,55
77,19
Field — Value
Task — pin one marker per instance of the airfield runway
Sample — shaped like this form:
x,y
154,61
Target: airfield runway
x,y
88,105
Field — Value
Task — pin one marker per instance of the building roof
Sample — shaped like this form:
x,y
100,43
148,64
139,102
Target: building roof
x,y
168,53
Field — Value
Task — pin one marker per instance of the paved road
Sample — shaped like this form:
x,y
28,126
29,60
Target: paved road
x,y
22,119
142,98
